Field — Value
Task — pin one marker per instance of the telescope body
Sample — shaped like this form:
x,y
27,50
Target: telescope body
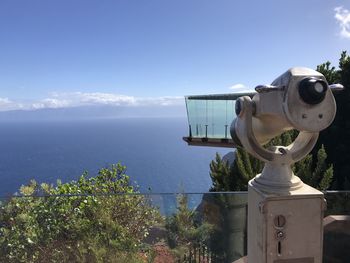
x,y
280,108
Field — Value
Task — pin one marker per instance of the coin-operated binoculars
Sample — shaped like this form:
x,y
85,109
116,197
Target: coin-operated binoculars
x,y
284,215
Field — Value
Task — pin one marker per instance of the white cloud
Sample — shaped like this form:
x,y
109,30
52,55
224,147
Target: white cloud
x,y
342,16
49,103
5,101
162,101
103,98
240,88
6,104
98,98
77,99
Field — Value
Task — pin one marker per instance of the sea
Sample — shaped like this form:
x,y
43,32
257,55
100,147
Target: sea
x,y
152,149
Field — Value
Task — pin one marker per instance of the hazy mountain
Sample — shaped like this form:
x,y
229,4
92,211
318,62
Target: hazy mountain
x,y
86,112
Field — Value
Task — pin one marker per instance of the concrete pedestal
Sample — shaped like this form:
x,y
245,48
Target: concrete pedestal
x,y
285,227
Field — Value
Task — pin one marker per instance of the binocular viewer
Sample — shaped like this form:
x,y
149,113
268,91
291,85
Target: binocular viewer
x,y
299,99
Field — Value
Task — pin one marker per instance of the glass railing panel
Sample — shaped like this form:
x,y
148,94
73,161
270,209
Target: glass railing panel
x,y
210,118
338,203
124,228
336,241
203,227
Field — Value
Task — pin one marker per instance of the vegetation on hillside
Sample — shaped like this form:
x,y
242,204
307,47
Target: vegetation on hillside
x,y
336,139
234,177
186,230
77,221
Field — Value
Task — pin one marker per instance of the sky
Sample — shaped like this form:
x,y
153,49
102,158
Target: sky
x,y
71,53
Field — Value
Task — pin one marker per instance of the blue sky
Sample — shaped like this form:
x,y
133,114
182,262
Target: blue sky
x,y
153,52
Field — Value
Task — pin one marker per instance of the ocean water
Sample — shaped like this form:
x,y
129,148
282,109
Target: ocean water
x,y
152,149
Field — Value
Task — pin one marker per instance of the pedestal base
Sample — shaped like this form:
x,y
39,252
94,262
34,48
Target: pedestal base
x,y
285,227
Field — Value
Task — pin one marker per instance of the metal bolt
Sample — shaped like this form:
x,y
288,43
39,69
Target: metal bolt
x,y
280,235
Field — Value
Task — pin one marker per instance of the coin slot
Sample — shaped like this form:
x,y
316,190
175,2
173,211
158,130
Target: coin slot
x,y
279,248
280,221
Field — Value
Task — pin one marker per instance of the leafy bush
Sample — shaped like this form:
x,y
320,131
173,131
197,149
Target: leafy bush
x,y
312,170
186,229
94,219
336,138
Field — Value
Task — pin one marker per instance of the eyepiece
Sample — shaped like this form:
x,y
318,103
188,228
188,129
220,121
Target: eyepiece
x,y
312,90
238,107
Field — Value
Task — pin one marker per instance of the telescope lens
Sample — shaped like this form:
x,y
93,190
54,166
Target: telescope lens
x,y
318,87
312,90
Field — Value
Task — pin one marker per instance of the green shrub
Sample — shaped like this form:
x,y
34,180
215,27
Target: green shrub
x,y
94,219
186,229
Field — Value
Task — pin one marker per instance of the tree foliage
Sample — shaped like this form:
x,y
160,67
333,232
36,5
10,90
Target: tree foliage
x,y
185,229
94,219
336,138
235,177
